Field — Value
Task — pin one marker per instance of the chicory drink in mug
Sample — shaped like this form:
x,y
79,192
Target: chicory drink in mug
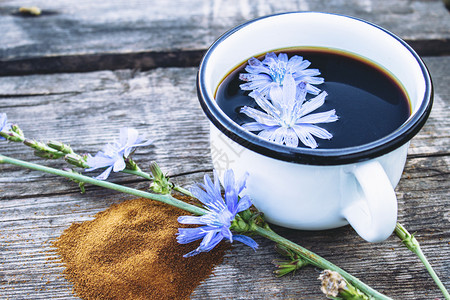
x,y
369,102
319,110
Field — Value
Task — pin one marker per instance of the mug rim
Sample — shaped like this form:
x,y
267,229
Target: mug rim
x,y
303,155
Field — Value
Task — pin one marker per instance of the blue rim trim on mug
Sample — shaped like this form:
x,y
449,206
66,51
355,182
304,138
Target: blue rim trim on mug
x,y
315,156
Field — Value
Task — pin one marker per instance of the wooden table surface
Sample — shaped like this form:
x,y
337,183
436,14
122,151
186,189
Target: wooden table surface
x,y
83,69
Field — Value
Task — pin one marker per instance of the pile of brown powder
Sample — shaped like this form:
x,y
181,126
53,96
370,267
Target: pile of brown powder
x,y
129,251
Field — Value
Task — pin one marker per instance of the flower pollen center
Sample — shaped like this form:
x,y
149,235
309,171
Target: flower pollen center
x,y
277,73
286,123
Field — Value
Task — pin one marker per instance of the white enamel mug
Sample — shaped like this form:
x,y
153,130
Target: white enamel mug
x,y
315,189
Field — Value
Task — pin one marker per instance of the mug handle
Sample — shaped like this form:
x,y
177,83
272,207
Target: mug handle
x,y
373,214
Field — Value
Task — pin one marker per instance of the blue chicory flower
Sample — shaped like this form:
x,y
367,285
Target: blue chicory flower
x,y
4,125
286,118
220,214
262,76
114,154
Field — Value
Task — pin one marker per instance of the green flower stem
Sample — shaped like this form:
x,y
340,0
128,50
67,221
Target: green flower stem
x,y
43,150
167,199
138,173
149,177
66,149
183,191
56,149
412,244
12,136
318,261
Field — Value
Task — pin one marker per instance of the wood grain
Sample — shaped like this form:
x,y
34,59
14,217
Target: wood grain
x,y
74,36
87,109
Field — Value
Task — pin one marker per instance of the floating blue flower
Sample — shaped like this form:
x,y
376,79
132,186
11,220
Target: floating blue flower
x,y
114,154
220,214
4,125
286,118
262,76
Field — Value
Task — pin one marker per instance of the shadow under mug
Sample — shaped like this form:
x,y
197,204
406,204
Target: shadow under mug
x,y
315,189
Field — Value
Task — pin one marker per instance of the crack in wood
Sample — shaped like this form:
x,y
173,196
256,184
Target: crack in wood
x,y
191,173
103,61
436,173
428,155
147,60
37,95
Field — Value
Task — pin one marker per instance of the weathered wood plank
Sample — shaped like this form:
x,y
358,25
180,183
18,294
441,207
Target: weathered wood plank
x,y
73,36
29,224
87,109
435,136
